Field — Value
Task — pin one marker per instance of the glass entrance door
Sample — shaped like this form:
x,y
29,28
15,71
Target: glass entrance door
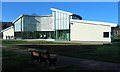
x,y
63,35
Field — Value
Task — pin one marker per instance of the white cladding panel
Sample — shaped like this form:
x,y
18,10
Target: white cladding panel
x,y
8,33
89,32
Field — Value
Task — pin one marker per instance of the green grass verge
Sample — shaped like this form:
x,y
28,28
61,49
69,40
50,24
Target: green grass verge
x,y
13,42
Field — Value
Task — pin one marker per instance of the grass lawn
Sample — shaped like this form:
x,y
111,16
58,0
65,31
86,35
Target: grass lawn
x,y
108,53
15,62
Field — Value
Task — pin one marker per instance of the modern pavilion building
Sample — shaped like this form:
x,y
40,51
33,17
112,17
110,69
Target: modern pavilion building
x,y
55,26
61,25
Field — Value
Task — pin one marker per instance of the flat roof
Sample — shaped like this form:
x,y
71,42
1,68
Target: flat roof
x,y
95,22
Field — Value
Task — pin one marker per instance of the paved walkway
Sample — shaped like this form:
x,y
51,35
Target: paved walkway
x,y
84,64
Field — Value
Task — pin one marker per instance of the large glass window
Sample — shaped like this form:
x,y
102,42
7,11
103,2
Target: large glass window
x,y
35,35
63,34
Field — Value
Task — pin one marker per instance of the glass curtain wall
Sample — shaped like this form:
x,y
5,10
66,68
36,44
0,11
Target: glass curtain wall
x,y
61,25
29,27
35,35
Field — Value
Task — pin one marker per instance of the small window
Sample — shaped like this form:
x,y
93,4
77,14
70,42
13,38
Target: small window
x,y
105,34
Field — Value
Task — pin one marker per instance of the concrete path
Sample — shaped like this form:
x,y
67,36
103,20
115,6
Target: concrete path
x,y
84,64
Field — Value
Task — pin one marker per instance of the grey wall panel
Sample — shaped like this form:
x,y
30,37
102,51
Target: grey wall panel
x,y
47,24
38,24
35,23
31,22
